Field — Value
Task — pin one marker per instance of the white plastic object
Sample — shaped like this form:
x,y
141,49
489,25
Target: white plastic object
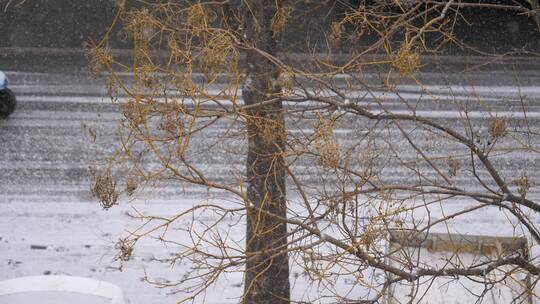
x,y
63,283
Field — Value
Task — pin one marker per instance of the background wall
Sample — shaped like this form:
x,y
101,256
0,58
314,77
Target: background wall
x,y
69,23
54,23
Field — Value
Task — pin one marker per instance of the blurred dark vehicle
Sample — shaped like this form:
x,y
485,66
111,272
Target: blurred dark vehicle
x,y
8,102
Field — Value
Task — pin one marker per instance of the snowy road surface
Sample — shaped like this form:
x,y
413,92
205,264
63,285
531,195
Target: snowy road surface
x,y
49,223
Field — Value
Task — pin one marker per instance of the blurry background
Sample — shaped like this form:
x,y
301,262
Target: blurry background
x,y
69,23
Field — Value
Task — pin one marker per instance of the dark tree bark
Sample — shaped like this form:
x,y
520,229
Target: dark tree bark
x,y
267,270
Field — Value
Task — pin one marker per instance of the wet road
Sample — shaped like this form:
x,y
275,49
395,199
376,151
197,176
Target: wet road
x,y
65,123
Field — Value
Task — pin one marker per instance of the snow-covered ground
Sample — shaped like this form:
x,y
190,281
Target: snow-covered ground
x,y
49,224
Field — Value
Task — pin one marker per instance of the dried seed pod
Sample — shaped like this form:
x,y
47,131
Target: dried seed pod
x,y
523,184
104,188
497,127
326,143
279,20
99,58
125,248
334,37
406,60
131,185
453,165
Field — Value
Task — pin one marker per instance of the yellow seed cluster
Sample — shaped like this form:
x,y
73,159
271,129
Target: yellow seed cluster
x,y
406,60
326,143
104,188
497,127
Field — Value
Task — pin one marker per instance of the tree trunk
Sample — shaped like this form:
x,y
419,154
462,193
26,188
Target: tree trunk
x,y
267,270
